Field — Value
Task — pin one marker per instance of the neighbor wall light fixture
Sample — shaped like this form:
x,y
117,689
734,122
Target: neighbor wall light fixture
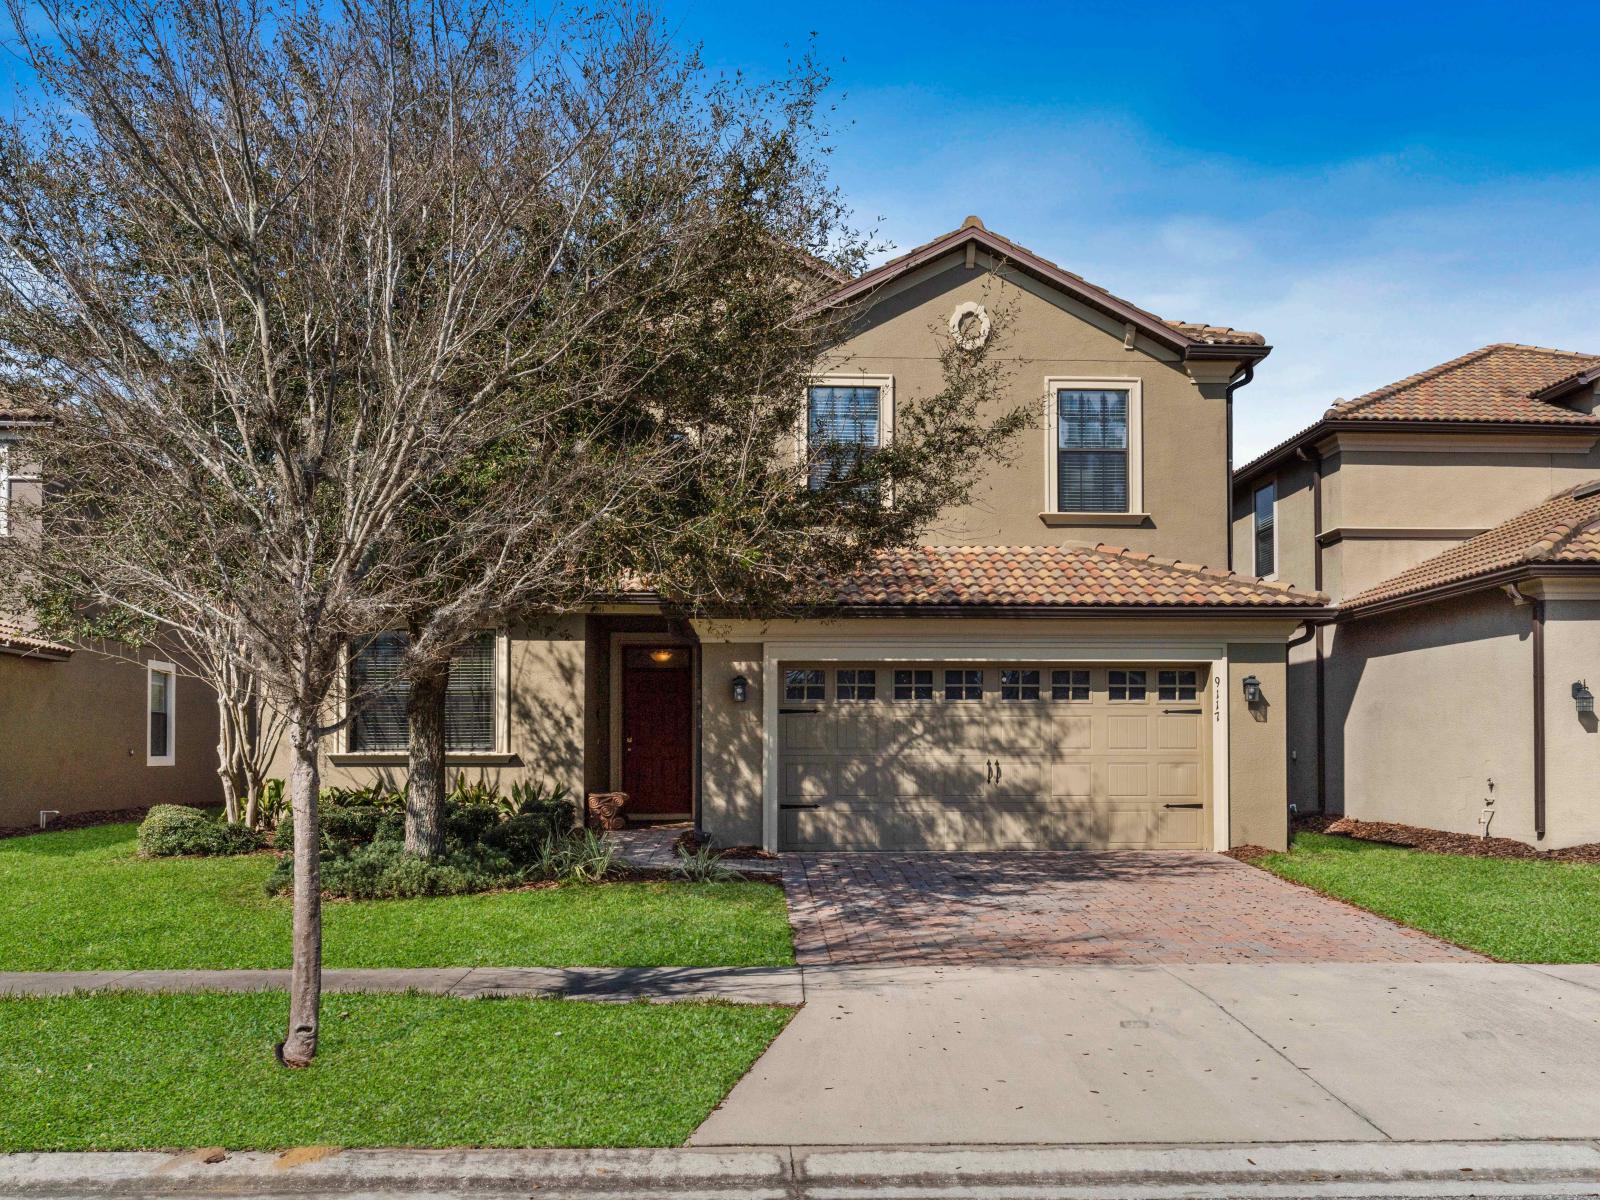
x,y
741,689
1252,690
1583,697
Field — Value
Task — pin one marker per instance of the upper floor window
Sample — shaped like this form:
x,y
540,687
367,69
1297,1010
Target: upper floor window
x,y
1095,446
380,693
161,711
844,422
1265,525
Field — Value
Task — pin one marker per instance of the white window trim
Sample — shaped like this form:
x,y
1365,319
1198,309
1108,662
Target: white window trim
x,y
170,758
1273,484
1134,386
885,386
5,489
346,757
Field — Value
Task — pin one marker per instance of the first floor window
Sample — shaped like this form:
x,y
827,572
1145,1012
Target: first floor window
x,y
1126,685
1069,685
1177,685
913,685
1019,685
804,685
160,708
857,685
379,693
1091,451
1266,529
963,685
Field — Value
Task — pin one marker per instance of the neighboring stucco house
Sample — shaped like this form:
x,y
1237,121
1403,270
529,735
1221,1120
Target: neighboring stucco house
x,y
82,730
1451,518
1067,662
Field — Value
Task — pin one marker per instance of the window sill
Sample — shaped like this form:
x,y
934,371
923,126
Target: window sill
x,y
1054,519
471,758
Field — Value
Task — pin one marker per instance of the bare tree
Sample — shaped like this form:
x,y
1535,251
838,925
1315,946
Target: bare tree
x,y
395,317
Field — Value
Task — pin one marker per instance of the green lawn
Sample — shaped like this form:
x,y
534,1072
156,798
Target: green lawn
x,y
122,1070
1518,910
82,900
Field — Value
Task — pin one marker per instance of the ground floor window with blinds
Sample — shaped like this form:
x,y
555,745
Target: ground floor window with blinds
x,y
1091,450
380,694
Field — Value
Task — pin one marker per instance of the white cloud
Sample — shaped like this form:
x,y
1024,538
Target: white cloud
x,y
1359,272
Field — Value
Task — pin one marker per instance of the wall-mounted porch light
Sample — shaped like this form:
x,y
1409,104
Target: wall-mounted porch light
x,y
1252,690
1583,697
741,689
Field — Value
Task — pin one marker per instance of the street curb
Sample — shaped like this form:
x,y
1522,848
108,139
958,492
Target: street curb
x,y
1333,1169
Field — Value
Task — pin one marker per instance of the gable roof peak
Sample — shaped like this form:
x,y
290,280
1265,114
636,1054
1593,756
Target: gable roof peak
x,y
1191,338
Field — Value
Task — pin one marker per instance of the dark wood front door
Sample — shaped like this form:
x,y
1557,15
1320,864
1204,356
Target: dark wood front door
x,y
658,731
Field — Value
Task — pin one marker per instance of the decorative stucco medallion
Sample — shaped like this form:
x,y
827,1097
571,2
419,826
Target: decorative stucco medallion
x,y
969,325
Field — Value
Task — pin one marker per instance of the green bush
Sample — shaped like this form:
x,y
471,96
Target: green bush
x,y
384,871
169,830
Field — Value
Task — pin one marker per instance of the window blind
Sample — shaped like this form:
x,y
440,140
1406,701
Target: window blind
x,y
469,702
1091,451
841,423
1266,499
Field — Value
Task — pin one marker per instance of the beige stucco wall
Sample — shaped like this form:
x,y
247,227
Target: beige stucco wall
x,y
730,743
542,729
1257,784
1184,423
74,735
1572,742
1428,704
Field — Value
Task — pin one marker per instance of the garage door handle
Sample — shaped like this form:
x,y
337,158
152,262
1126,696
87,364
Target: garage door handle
x,y
1183,806
988,769
1196,711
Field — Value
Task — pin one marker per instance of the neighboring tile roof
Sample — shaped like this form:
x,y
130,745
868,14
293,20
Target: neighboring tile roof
x,y
1564,529
13,636
1495,383
1182,334
1498,383
1079,576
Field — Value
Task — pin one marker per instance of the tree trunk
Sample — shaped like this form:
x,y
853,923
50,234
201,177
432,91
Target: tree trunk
x,y
305,977
425,783
227,760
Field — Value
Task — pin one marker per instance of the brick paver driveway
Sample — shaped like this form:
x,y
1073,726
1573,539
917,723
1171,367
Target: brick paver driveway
x,y
1119,906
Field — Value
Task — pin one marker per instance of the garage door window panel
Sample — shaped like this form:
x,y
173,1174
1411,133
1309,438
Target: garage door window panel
x,y
963,685
855,684
1126,686
913,685
1177,685
1069,685
1019,685
805,685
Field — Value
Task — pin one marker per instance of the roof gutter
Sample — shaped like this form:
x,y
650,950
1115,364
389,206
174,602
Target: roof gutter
x,y
1464,587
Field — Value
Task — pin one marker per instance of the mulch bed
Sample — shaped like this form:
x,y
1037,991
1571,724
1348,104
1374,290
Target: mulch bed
x,y
81,820
1435,841
691,841
1248,854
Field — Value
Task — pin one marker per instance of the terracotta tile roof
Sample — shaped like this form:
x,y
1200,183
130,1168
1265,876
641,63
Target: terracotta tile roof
x,y
14,636
1079,576
1183,334
1495,383
1504,382
1564,529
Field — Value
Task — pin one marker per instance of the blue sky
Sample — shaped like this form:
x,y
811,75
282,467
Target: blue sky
x,y
1376,187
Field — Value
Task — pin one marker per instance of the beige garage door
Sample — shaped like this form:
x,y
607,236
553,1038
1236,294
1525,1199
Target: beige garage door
x,y
958,756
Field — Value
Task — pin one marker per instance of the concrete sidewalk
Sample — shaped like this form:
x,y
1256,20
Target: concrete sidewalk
x,y
742,985
1345,1171
1176,1054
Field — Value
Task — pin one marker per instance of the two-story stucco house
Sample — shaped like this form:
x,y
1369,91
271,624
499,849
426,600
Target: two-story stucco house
x,y
82,730
1067,662
1454,519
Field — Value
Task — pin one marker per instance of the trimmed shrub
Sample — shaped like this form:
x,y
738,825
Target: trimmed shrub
x,y
169,830
384,871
